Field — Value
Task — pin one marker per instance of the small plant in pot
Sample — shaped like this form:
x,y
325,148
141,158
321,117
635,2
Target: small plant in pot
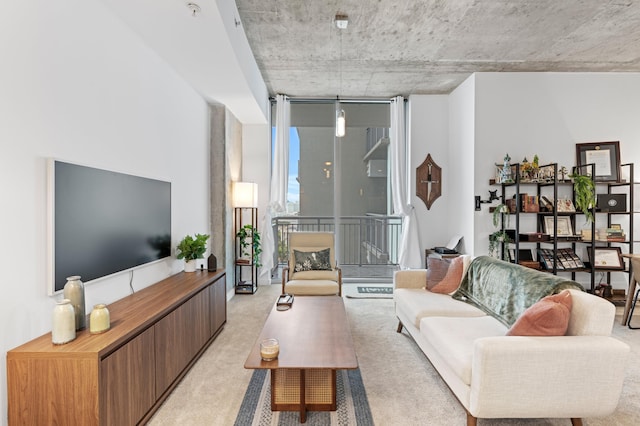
x,y
249,238
192,248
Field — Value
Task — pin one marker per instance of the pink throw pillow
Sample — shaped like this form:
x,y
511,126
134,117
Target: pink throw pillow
x,y
437,269
547,317
451,281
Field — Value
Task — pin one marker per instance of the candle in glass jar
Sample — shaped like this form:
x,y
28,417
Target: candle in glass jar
x,y
269,349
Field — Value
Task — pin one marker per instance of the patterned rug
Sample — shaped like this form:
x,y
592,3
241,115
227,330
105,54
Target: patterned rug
x,y
352,404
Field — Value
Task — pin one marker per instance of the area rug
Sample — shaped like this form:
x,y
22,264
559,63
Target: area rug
x,y
351,398
368,291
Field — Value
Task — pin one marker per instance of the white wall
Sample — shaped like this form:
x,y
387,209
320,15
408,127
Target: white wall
x,y
77,85
429,134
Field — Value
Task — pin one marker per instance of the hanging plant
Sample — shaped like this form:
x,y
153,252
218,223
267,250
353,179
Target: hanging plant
x,y
497,238
585,194
500,236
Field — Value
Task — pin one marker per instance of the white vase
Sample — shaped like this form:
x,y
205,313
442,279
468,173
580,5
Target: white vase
x,y
190,265
63,329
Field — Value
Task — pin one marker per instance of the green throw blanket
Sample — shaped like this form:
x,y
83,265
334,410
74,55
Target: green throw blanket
x,y
504,290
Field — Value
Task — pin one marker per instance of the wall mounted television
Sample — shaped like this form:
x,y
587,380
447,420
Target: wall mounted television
x,y
103,222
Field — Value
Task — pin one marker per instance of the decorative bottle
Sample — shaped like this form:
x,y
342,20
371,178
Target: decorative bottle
x,y
74,291
63,328
212,263
99,320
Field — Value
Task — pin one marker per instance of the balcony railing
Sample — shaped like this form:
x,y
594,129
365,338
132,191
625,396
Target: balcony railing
x,y
371,240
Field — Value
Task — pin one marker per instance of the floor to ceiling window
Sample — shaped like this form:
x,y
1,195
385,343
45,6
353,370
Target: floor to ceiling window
x,y
341,184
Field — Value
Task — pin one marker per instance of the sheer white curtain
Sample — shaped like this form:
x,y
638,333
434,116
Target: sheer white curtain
x,y
279,185
409,256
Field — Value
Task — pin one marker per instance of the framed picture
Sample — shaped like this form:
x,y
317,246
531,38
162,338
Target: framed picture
x,y
523,254
565,205
604,155
564,226
607,258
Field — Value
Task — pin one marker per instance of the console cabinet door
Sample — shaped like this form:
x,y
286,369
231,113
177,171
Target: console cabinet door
x,y
179,336
218,292
128,381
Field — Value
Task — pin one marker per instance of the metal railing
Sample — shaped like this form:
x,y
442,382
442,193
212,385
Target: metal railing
x,y
362,240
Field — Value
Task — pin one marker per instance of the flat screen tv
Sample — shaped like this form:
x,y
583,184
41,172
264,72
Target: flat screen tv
x,y
104,222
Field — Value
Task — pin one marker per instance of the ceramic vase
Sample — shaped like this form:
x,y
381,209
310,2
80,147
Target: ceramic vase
x,y
63,328
99,320
190,265
74,291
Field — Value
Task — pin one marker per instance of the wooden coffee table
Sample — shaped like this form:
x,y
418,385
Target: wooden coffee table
x,y
315,341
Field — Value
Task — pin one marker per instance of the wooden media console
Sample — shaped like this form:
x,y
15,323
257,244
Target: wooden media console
x,y
122,376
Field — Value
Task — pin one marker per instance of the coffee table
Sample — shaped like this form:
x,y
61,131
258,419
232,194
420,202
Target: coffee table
x,y
315,341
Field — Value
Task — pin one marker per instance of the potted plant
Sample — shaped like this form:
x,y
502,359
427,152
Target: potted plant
x,y
249,238
192,248
500,236
584,190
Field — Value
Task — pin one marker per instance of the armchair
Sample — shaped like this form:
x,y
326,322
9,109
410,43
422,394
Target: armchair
x,y
312,268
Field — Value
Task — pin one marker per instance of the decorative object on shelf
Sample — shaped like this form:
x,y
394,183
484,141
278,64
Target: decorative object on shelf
x,y
529,171
428,181
212,263
269,349
74,291
63,328
584,194
607,258
604,155
190,249
505,174
500,236
563,172
249,238
99,319
564,228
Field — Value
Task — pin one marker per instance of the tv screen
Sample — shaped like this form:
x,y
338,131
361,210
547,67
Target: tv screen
x,y
105,222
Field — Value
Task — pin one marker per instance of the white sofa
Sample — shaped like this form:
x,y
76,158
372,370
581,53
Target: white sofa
x,y
499,376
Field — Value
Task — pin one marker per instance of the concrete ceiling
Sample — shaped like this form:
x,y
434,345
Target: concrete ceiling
x,y
428,47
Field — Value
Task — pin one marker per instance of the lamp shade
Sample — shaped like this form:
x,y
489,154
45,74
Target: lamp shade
x,y
245,194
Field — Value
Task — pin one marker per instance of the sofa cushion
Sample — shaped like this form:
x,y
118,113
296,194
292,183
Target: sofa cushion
x,y
436,270
312,260
454,338
547,317
317,287
451,281
416,303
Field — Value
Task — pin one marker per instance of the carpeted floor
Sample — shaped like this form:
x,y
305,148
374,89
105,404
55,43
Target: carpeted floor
x,y
401,385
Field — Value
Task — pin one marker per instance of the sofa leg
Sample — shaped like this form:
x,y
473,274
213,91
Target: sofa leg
x,y
399,329
576,422
471,421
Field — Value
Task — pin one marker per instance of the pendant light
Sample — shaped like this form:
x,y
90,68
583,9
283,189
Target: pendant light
x,y
341,120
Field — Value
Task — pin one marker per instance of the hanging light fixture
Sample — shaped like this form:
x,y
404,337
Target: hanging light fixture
x,y
341,120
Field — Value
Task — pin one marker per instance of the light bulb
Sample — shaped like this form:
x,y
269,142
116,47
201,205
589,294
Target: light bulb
x,y
341,123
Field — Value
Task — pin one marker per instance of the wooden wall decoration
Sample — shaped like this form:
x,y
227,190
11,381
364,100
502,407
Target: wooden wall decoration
x,y
428,181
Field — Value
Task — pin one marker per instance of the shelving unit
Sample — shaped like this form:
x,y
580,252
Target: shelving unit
x,y
552,188
245,270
